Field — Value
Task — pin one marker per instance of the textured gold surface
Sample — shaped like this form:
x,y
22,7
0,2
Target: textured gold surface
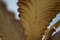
x,y
36,15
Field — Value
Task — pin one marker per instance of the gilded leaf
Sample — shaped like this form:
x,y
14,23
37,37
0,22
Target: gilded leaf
x,y
36,15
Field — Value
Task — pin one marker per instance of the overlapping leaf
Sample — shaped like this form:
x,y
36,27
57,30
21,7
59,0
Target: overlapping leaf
x,y
10,28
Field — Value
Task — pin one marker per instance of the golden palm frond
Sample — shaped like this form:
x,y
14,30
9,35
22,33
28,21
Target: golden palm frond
x,y
36,15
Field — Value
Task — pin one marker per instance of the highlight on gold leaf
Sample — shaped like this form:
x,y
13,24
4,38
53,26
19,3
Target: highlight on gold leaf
x,y
49,32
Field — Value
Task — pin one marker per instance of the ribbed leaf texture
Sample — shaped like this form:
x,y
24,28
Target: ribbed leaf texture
x,y
36,15
10,28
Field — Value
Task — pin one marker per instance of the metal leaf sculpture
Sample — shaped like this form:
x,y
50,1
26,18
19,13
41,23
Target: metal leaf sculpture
x,y
10,28
36,15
